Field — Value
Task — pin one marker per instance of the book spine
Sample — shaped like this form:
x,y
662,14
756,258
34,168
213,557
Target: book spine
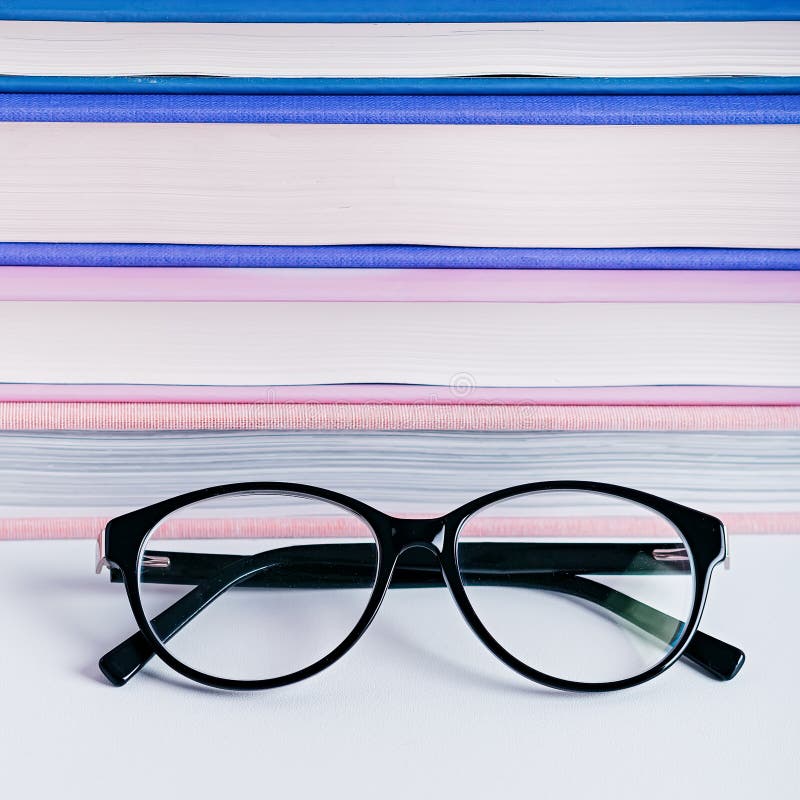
x,y
99,254
304,416
399,10
55,527
768,109
400,86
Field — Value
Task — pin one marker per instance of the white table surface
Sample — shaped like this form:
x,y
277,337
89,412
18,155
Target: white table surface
x,y
418,709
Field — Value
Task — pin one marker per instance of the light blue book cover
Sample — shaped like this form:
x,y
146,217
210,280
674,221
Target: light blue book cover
x,y
400,10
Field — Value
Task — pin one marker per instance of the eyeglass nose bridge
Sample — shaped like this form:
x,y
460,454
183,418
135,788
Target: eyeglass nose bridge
x,y
407,533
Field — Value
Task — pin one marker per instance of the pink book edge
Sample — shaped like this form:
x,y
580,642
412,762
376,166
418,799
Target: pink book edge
x,y
43,528
412,285
132,416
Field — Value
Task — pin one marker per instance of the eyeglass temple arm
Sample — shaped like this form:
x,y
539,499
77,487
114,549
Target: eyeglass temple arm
x,y
530,565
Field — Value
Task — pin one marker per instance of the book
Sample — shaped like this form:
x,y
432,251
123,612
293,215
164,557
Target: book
x,y
238,46
69,467
455,346
478,172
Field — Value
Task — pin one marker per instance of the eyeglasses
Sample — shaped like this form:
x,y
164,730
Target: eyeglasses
x,y
576,585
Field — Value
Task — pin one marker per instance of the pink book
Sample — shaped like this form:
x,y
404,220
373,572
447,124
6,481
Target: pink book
x,y
74,465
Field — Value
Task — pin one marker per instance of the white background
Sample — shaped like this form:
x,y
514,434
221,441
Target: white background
x,y
418,709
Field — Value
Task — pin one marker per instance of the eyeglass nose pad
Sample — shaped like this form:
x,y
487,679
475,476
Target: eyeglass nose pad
x,y
418,564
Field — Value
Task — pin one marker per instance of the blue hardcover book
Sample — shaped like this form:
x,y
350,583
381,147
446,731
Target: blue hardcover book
x,y
676,182
399,10
396,47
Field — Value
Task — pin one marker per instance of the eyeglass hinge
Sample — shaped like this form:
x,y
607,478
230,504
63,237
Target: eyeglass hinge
x,y
670,554
155,562
100,559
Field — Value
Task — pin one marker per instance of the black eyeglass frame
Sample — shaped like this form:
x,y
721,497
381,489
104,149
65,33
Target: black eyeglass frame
x,y
122,548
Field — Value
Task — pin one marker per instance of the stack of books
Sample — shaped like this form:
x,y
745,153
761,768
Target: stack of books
x,y
413,252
